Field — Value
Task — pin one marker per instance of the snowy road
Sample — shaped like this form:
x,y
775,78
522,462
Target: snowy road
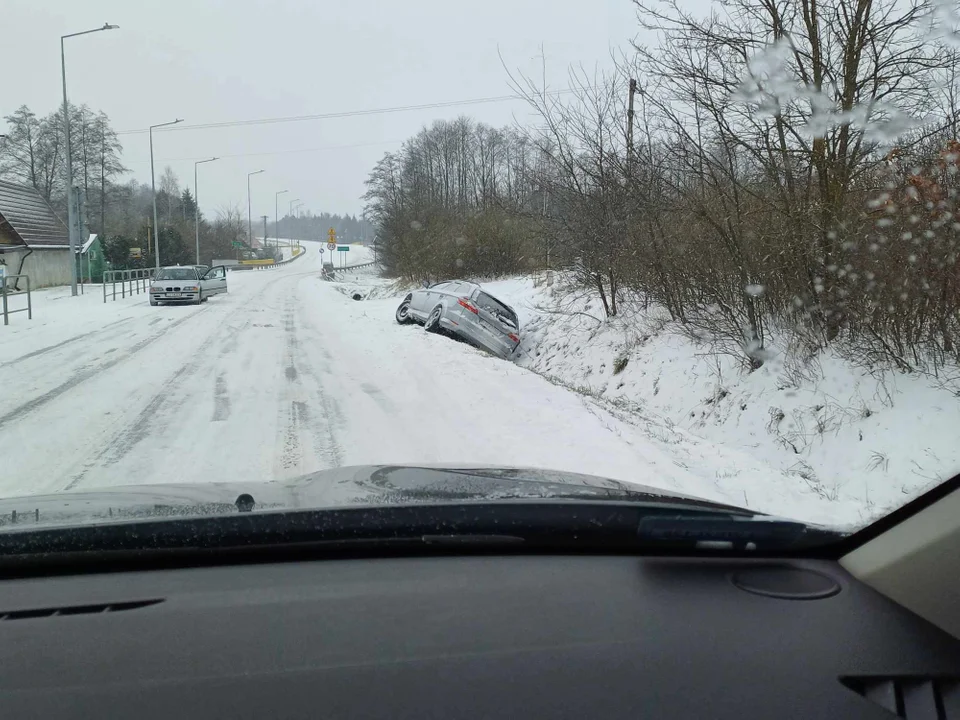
x,y
285,375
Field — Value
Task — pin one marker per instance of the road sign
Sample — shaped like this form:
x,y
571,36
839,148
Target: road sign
x,y
321,251
343,248
331,246
237,244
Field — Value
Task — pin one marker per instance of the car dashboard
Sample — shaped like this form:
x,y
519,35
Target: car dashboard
x,y
472,636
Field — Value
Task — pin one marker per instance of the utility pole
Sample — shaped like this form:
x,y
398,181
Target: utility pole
x,y
264,231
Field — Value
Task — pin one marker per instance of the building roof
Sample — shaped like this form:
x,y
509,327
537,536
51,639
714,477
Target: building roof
x,y
31,217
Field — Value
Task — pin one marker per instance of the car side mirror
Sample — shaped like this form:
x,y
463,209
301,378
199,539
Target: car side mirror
x,y
425,284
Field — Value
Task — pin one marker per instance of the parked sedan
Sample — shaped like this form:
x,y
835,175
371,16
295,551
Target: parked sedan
x,y
186,284
466,310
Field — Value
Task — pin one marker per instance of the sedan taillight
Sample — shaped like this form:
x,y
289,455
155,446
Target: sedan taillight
x,y
515,338
468,306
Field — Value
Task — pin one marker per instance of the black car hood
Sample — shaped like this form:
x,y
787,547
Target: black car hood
x,y
369,485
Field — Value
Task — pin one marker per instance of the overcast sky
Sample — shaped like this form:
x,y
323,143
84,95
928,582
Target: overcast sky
x,y
212,61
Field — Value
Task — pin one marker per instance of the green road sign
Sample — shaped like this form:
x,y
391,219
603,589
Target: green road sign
x,y
237,244
343,248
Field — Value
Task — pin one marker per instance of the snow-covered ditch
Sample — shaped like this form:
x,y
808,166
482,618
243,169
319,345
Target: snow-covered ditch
x,y
858,443
866,440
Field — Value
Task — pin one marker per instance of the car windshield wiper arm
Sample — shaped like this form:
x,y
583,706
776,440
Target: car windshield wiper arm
x,y
729,533
556,525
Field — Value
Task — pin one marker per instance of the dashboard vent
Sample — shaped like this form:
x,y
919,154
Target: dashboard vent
x,y
77,610
913,698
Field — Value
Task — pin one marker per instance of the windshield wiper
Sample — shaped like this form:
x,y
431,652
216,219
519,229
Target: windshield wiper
x,y
729,533
539,525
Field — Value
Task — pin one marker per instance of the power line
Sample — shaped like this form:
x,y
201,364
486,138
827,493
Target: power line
x,y
330,116
275,152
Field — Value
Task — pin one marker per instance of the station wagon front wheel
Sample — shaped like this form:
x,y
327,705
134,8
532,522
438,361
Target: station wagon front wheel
x,y
403,313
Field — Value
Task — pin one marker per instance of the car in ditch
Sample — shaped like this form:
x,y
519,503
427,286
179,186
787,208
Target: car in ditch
x,y
187,284
466,310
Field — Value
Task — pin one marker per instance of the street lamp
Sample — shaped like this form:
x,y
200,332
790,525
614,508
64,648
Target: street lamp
x,y
196,202
249,222
71,212
153,188
276,219
297,210
290,215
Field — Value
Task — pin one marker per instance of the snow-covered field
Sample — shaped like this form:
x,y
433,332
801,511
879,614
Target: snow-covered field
x,y
288,374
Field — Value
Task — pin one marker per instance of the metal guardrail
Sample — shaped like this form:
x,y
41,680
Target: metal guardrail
x,y
130,281
5,294
233,268
355,267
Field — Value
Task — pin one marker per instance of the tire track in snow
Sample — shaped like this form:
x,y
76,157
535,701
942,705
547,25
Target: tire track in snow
x,y
324,432
168,400
156,416
86,372
152,419
68,341
298,414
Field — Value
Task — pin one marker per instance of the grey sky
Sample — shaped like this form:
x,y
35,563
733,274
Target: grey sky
x,y
222,60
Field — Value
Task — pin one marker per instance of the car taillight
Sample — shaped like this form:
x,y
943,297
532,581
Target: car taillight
x,y
515,338
468,306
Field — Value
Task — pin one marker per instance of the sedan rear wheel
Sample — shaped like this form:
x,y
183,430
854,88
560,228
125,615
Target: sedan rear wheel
x,y
403,313
433,321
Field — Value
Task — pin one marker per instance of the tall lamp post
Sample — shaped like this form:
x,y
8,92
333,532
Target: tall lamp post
x,y
276,218
249,221
300,205
71,212
196,202
296,209
153,188
290,215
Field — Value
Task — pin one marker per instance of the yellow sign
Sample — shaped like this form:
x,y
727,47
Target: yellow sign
x,y
333,235
136,253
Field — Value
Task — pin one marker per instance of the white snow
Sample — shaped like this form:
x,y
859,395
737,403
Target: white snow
x,y
287,374
866,443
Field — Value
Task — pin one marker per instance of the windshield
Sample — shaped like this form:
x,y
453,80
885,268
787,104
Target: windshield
x,y
177,274
708,249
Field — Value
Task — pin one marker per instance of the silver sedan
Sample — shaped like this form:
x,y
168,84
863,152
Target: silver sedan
x,y
466,310
187,284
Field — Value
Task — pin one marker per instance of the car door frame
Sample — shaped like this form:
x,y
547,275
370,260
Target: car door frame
x,y
421,301
214,285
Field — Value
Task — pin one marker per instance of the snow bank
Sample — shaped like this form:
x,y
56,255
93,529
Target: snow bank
x,y
867,442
